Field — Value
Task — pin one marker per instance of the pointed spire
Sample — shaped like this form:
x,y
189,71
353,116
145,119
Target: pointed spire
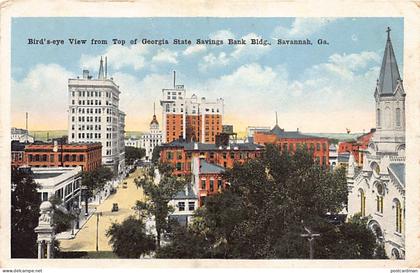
x,y
101,70
106,67
389,75
277,121
154,120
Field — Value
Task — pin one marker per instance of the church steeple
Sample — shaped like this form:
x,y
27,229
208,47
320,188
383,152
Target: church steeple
x,y
389,75
101,70
154,120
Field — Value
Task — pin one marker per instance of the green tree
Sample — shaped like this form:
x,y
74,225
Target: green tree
x,y
129,239
156,154
260,214
158,196
62,218
132,154
24,214
95,180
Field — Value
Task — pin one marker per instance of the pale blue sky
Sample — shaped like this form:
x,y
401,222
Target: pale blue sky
x,y
315,88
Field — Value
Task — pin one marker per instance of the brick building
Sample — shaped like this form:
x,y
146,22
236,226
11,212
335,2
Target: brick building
x,y
17,154
180,153
86,155
191,119
356,147
291,140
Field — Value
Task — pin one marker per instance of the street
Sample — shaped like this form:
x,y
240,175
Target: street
x,y
126,198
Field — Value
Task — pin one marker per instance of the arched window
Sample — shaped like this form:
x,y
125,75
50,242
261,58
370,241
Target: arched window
x,y
398,117
380,198
378,117
398,216
395,254
362,203
388,118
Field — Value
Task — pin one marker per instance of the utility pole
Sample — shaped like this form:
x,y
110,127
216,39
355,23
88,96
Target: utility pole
x,y
97,229
310,236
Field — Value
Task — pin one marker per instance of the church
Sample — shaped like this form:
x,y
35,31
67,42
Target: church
x,y
377,189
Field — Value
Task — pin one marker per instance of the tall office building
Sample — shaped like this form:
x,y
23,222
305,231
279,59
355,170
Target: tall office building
x,y
191,119
94,116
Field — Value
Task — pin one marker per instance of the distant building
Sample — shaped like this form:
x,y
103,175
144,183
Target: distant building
x,y
151,139
356,147
191,119
291,140
18,154
333,156
227,129
377,189
251,130
21,135
180,154
185,203
62,182
86,155
132,142
94,116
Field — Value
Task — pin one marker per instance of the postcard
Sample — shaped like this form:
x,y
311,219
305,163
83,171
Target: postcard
x,y
238,134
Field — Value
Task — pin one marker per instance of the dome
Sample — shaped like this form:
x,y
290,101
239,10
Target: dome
x,y
154,120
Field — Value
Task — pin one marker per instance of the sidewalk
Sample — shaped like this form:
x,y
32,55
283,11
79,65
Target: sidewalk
x,y
67,235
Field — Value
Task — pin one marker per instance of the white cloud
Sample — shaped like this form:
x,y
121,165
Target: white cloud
x,y
222,34
194,49
250,51
302,27
137,98
212,60
118,57
165,56
43,94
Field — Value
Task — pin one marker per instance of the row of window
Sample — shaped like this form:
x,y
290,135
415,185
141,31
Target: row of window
x,y
51,157
211,184
311,146
380,208
90,94
181,206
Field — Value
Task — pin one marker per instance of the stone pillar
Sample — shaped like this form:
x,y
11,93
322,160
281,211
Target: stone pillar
x,y
49,256
45,230
40,250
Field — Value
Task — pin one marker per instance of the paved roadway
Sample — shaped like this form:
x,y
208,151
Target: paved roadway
x,y
85,239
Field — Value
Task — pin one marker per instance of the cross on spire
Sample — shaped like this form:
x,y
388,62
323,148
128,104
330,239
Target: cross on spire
x,y
388,30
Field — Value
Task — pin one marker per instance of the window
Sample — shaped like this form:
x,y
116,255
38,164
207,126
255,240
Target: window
x,y
398,216
169,155
398,117
51,158
379,204
181,206
318,147
45,196
211,185
178,166
203,184
191,206
362,203
219,183
378,117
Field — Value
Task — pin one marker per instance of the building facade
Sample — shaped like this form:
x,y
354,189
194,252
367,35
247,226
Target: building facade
x,y
94,116
356,147
289,141
377,189
132,142
151,139
86,155
179,154
191,119
21,135
61,182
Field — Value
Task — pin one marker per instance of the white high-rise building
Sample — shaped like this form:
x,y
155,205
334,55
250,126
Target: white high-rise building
x,y
377,190
152,139
94,116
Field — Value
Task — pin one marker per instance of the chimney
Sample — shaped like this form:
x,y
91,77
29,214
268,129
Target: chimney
x,y
85,74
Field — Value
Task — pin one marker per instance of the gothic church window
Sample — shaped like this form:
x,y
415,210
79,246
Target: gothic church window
x,y
398,117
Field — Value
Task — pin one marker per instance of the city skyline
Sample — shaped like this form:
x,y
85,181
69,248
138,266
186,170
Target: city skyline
x,y
302,83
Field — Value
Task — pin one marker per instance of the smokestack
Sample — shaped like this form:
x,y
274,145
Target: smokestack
x,y
174,78
26,121
106,67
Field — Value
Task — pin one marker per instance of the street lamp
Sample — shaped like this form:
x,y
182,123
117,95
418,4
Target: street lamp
x,y
310,236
